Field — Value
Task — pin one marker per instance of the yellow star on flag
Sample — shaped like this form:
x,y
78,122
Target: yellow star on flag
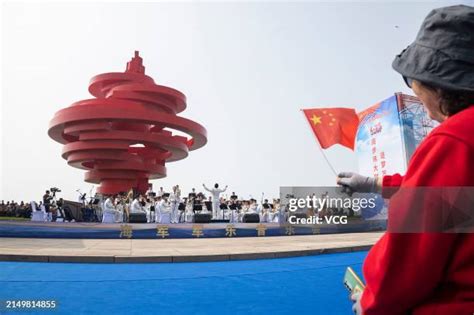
x,y
316,120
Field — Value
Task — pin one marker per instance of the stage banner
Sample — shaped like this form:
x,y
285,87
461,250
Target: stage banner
x,y
388,134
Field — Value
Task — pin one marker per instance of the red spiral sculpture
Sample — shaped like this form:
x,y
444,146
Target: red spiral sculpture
x,y
119,136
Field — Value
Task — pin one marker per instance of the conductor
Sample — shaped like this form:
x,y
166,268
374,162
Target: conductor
x,y
215,192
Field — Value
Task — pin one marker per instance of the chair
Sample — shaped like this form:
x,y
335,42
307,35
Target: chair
x,y
108,216
38,215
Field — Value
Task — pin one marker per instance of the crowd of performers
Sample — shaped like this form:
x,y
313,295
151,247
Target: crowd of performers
x,y
173,207
159,207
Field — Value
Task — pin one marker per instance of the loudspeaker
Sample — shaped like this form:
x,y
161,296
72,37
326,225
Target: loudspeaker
x,y
251,218
137,218
202,218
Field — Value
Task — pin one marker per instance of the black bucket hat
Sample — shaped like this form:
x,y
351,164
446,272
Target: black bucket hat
x,y
442,54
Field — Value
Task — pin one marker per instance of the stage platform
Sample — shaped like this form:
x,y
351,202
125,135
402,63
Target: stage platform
x,y
81,230
180,250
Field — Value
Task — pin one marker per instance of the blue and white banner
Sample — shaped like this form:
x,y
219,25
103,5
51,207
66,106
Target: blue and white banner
x,y
388,134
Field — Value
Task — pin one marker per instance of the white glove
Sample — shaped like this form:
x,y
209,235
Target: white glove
x,y
354,182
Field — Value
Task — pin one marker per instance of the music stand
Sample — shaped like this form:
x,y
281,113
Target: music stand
x,y
208,205
182,209
223,207
197,207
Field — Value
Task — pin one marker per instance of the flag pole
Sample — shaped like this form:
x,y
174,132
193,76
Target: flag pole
x,y
319,146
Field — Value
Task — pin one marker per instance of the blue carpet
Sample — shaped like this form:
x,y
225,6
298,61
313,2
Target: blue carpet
x,y
300,285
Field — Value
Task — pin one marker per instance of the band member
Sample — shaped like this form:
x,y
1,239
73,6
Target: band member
x,y
244,210
265,211
152,201
192,195
119,206
178,191
147,208
174,200
150,191
109,207
189,213
253,207
158,205
161,192
274,214
234,211
126,201
164,209
136,206
215,197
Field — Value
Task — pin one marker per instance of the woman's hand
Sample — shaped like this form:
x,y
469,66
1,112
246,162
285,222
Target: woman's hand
x,y
356,307
354,182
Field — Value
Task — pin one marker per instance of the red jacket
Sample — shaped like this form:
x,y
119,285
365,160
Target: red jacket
x,y
427,273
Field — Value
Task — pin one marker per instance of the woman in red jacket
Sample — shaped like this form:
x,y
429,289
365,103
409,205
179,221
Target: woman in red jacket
x,y
429,271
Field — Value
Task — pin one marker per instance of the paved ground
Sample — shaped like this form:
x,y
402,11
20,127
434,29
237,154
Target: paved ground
x,y
180,250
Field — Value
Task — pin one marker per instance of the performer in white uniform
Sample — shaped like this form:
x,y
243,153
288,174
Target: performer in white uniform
x,y
189,214
275,213
174,203
161,192
137,206
165,211
109,207
150,191
253,208
158,209
147,209
244,210
120,209
215,198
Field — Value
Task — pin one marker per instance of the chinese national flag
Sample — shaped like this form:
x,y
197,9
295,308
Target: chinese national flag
x,y
333,125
